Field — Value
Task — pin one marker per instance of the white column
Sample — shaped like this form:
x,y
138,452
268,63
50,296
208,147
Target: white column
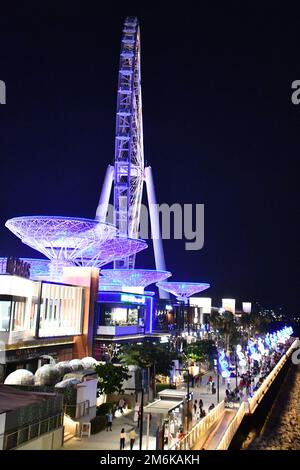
x,y
105,194
155,229
148,431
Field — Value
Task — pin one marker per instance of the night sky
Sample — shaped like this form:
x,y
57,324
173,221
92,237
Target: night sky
x,y
219,128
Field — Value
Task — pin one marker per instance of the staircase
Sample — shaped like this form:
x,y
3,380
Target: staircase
x,y
67,436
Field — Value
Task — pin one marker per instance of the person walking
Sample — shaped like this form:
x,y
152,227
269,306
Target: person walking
x,y
132,437
121,405
136,413
109,418
195,406
122,439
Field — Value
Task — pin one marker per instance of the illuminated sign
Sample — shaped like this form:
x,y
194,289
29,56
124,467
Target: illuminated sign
x,y
247,307
132,298
224,364
229,305
17,267
164,339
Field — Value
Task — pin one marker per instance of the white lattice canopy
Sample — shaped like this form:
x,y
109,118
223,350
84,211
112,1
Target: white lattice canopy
x,y
73,241
131,277
183,290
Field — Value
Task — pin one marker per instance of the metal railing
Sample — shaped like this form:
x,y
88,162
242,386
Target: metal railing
x,y
14,439
200,429
232,428
258,395
77,411
250,405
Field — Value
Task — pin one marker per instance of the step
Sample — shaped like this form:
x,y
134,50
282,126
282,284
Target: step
x,y
68,436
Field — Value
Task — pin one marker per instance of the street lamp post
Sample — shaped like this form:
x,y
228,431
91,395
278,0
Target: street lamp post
x,y
142,419
236,370
188,395
142,413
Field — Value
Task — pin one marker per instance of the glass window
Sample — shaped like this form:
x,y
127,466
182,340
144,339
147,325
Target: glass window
x,y
5,311
18,315
113,315
61,310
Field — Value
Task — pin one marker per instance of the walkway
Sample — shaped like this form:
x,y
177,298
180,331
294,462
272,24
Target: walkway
x,y
110,440
218,432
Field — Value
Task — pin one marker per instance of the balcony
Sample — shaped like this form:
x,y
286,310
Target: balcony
x,y
120,330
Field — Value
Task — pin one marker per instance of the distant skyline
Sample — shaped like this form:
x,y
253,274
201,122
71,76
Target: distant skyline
x,y
219,129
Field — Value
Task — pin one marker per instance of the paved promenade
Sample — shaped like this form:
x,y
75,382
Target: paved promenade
x,y
109,440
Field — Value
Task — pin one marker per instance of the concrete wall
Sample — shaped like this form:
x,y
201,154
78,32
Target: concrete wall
x,y
87,391
2,428
50,441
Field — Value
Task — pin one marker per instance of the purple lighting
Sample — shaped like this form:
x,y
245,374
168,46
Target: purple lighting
x,y
110,250
183,290
60,237
69,241
132,277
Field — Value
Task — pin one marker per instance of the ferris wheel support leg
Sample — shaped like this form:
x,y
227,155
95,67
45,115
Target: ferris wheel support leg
x,y
105,194
155,229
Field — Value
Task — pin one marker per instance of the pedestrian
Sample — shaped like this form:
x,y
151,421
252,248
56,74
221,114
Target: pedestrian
x,y
121,405
208,387
180,433
195,406
109,418
139,416
132,437
136,413
200,403
122,439
114,409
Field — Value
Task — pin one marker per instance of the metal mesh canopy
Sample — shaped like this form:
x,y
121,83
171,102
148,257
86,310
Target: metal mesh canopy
x,y
110,250
61,238
183,290
73,241
132,277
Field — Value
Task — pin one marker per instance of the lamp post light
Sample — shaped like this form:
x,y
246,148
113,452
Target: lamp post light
x,y
188,394
142,413
236,370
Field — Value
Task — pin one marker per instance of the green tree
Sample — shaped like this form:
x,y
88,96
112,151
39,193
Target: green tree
x,y
202,350
148,354
111,378
228,333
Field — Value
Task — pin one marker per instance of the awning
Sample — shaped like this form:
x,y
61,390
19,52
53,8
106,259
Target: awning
x,y
162,407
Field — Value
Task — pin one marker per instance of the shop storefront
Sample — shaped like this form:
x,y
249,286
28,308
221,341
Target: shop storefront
x,y
121,314
37,319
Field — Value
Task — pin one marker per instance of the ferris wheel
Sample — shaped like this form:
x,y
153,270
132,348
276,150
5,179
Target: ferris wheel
x,y
129,151
129,173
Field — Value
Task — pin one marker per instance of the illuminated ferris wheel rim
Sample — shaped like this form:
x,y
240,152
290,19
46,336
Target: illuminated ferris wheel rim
x,y
129,152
